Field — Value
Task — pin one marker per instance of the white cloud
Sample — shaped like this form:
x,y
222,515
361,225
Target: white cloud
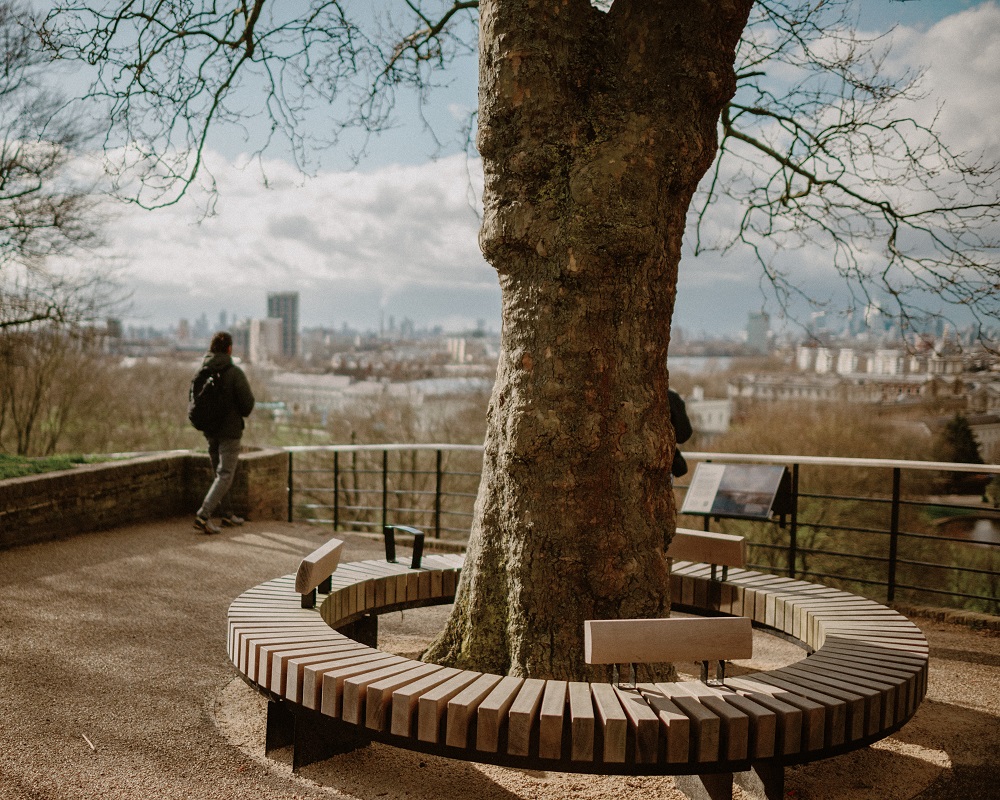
x,y
379,234
961,54
402,240
961,83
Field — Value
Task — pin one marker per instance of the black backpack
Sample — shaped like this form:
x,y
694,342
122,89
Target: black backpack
x,y
207,402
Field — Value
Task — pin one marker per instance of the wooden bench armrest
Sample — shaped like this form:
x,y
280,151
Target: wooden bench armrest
x,y
319,565
389,533
650,641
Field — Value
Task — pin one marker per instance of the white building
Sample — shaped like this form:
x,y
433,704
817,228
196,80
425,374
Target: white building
x,y
708,416
826,361
847,361
265,340
886,362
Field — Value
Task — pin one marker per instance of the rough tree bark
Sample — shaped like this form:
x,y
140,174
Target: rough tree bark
x,y
595,129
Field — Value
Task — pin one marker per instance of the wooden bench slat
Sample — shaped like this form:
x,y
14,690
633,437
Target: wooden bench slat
x,y
764,723
612,723
583,721
378,702
787,718
255,652
491,718
279,661
888,689
551,715
644,725
521,719
239,634
674,723
461,709
814,714
312,674
871,700
331,701
405,698
431,705
734,728
355,694
295,668
835,709
706,727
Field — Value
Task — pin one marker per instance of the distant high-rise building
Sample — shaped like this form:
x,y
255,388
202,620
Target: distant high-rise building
x,y
285,306
758,330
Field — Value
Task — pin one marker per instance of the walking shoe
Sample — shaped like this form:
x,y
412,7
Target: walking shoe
x,y
232,521
206,525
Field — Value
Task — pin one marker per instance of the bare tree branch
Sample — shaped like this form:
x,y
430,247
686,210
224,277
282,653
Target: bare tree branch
x,y
819,150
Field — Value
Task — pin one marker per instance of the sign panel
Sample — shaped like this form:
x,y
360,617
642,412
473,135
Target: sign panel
x,y
746,491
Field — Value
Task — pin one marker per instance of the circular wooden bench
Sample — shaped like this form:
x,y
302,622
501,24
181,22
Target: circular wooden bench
x,y
330,688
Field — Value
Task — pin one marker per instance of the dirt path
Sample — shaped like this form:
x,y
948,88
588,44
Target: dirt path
x,y
115,684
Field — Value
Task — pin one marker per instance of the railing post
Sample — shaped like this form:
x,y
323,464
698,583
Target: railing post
x,y
385,488
437,497
291,486
793,524
336,490
890,592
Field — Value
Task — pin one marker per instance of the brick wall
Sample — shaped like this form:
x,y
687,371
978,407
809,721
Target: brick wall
x,y
99,496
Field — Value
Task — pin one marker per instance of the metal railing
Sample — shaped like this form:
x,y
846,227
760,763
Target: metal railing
x,y
896,531
366,487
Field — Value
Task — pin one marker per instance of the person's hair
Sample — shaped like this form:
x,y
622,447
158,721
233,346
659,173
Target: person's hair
x,y
221,342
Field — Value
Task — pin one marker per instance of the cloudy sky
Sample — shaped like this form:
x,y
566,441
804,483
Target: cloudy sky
x,y
397,234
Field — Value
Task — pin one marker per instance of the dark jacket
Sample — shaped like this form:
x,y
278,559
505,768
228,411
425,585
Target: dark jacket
x,y
236,389
682,431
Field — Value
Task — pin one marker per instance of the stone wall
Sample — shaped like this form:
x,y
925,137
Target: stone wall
x,y
99,496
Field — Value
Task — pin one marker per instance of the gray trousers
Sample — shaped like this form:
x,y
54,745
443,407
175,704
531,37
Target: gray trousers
x,y
225,454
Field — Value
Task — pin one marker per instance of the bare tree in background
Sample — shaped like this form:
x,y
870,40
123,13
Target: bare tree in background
x,y
596,126
46,212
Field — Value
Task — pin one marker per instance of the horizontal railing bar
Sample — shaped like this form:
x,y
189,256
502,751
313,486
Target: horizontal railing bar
x,y
987,598
378,448
835,554
829,526
834,461
936,537
951,567
845,578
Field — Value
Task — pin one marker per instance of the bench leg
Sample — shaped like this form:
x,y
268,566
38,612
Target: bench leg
x,y
280,730
364,630
764,781
319,737
714,786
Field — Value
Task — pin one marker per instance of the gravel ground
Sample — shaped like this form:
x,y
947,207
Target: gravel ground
x,y
116,684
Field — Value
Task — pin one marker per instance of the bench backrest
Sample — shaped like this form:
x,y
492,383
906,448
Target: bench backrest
x,y
704,547
651,641
319,565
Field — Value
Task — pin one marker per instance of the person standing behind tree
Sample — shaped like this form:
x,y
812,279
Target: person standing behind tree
x,y
682,431
224,440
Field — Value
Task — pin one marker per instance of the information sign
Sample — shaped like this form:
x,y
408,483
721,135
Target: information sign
x,y
744,491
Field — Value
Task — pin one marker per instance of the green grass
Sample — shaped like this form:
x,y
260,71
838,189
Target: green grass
x,y
18,466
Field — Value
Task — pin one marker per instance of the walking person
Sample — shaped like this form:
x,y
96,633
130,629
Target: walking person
x,y
232,401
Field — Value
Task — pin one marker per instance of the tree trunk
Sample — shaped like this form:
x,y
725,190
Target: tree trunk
x,y
595,129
